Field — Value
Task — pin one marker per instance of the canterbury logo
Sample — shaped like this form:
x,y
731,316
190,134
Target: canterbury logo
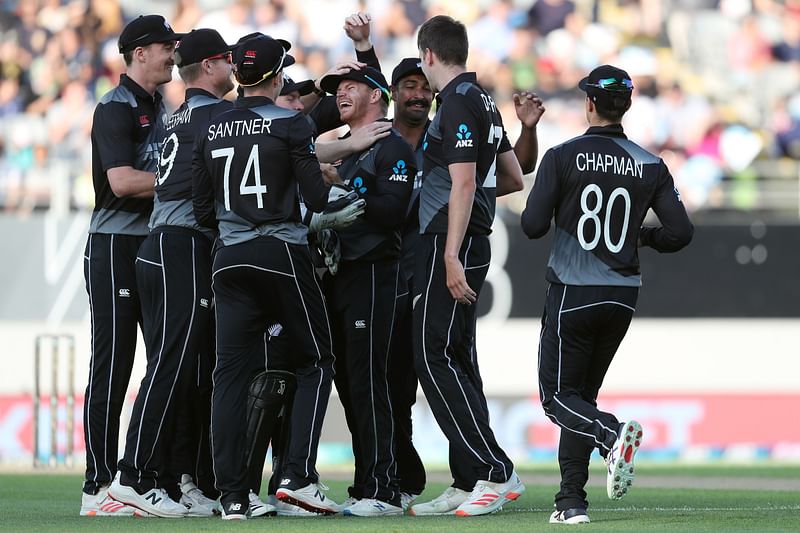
x,y
361,324
153,497
124,293
204,302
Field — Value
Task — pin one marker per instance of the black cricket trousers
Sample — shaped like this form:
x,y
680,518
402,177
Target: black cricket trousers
x,y
110,275
257,283
444,355
173,272
582,327
362,300
403,395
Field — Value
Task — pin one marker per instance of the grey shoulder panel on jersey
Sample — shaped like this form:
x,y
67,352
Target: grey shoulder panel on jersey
x,y
637,152
118,222
273,112
463,87
575,266
201,100
120,94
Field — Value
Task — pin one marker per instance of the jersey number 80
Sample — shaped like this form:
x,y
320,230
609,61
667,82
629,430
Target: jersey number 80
x,y
591,216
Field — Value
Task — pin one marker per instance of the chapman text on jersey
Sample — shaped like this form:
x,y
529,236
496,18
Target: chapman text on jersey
x,y
622,166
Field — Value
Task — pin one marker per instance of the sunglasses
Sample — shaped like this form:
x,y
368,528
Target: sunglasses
x,y
613,84
383,89
227,56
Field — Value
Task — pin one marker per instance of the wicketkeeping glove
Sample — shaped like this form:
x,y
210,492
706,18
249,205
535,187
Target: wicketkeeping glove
x,y
343,208
331,248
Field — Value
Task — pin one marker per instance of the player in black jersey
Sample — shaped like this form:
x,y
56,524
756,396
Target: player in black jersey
x,y
247,168
127,133
465,148
173,272
362,295
599,186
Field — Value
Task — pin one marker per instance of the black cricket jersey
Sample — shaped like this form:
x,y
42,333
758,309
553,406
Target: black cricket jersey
x,y
247,166
411,225
127,130
172,204
467,128
600,186
383,175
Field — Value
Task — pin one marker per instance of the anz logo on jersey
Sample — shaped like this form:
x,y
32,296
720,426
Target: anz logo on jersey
x,y
400,172
359,185
463,134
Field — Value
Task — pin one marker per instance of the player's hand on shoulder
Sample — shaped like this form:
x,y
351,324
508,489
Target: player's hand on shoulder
x,y
529,108
365,136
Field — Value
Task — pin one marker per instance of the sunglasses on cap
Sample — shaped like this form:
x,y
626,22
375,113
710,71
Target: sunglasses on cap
x,y
383,89
613,84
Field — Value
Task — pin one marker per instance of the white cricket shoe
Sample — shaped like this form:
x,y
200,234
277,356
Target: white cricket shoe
x,y
619,460
194,500
372,507
488,497
406,499
446,503
570,516
351,500
258,507
311,497
287,509
101,504
155,501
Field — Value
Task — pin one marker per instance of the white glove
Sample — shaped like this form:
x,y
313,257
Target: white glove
x,y
343,208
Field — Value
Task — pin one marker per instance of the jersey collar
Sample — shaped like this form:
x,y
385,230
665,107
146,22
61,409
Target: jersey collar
x,y
196,91
138,90
612,130
252,101
470,77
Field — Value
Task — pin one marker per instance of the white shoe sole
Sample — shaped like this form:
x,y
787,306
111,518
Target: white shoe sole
x,y
293,498
130,497
621,476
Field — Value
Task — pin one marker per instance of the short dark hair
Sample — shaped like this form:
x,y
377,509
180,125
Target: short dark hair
x,y
611,107
445,37
128,57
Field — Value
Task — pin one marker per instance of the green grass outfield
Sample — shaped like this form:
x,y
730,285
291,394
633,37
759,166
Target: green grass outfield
x,y
661,502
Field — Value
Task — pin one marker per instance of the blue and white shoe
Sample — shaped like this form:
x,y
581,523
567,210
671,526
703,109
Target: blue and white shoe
x,y
371,507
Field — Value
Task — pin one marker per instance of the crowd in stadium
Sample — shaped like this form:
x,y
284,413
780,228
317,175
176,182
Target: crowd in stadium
x,y
715,80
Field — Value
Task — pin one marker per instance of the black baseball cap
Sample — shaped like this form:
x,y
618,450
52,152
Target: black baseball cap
x,y
303,87
367,75
260,58
144,30
198,45
406,67
608,79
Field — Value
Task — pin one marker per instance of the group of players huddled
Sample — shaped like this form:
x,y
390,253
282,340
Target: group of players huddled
x,y
264,266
